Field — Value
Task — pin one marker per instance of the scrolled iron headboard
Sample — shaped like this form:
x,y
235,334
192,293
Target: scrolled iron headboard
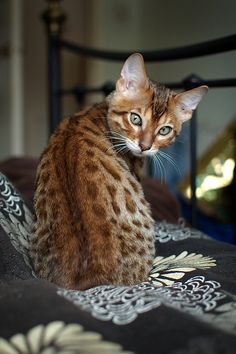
x,y
54,17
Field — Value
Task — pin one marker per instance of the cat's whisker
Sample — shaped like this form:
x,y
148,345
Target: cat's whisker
x,y
163,168
173,155
170,160
152,158
122,150
109,138
168,156
110,148
112,137
117,146
117,138
116,134
120,145
159,169
103,139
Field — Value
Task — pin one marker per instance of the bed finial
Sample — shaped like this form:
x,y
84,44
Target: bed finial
x,y
54,16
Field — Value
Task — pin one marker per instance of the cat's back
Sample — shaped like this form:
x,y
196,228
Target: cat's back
x,y
78,128
92,219
71,145
80,155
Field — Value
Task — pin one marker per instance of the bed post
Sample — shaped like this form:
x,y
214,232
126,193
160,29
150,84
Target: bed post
x,y
193,167
189,83
54,18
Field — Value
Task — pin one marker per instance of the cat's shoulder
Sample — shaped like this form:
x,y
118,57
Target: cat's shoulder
x,y
84,116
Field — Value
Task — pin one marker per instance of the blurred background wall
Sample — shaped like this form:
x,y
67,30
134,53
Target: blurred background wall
x,y
119,25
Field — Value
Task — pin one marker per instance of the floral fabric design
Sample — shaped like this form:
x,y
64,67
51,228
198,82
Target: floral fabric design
x,y
58,337
167,270
181,251
165,232
10,201
15,218
122,304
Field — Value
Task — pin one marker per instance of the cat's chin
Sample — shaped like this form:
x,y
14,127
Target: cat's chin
x,y
137,154
148,153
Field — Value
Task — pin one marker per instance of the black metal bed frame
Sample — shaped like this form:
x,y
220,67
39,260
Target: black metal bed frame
x,y
54,17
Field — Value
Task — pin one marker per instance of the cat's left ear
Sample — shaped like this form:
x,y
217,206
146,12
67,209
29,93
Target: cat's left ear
x,y
186,102
133,76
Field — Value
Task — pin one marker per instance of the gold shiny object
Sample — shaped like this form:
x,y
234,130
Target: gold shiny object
x,y
215,181
54,16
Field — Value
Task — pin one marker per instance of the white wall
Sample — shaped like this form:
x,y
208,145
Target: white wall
x,y
35,67
4,82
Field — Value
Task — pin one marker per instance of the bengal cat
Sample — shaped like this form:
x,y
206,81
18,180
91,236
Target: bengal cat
x,y
93,225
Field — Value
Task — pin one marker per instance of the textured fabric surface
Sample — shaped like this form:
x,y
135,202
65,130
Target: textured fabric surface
x,y
187,306
12,264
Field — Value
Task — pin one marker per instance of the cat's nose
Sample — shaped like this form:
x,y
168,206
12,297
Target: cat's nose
x,y
144,147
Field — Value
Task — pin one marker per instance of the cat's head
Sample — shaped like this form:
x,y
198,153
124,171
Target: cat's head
x,y
145,116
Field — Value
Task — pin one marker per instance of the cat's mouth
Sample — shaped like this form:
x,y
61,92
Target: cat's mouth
x,y
138,150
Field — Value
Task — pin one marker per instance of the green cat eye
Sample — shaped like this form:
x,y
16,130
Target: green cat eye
x,y
135,119
165,130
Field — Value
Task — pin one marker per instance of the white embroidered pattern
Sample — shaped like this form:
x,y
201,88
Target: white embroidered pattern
x,y
9,199
15,218
166,270
58,337
122,304
165,232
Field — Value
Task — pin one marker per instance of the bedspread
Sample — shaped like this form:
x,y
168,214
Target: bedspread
x,y
187,305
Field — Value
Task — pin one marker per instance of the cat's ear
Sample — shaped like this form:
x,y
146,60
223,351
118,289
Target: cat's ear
x,y
133,76
186,102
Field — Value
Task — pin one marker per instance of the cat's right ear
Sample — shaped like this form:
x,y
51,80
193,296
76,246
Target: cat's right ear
x,y
133,76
